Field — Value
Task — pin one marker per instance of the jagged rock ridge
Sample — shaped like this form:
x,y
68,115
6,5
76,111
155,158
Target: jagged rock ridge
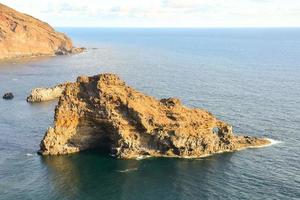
x,y
103,112
24,36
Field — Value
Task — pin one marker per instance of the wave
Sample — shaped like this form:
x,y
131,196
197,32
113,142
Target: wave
x,y
127,170
142,157
29,154
273,142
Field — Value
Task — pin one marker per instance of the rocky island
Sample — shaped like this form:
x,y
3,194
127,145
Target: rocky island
x,y
103,112
24,36
46,94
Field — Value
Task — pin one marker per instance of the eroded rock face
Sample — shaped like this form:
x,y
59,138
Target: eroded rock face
x,y
103,112
46,94
23,36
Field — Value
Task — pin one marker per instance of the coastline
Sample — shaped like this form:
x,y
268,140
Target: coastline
x,y
34,56
25,57
272,142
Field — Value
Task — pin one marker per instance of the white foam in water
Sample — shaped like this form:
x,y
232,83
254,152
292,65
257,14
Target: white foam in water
x,y
127,170
29,154
273,142
142,157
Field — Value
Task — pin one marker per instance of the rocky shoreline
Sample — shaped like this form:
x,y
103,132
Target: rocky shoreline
x,y
102,112
23,36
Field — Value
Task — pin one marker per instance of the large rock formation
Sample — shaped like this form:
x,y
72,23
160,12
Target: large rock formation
x,y
22,35
103,112
46,94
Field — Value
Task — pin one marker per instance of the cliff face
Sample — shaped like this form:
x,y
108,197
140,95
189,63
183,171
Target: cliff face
x,y
22,35
103,112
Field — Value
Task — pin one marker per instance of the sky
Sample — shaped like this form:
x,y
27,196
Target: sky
x,y
162,13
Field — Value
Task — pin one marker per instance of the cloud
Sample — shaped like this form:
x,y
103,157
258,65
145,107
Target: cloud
x,y
163,13
186,4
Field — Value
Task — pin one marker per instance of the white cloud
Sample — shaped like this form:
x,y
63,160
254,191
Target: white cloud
x,y
163,13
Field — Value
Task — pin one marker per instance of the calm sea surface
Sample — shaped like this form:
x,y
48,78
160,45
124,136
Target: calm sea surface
x,y
247,77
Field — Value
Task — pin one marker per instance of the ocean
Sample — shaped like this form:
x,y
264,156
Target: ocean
x,y
249,78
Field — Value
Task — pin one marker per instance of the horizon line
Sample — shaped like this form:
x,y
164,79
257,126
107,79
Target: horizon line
x,y
161,27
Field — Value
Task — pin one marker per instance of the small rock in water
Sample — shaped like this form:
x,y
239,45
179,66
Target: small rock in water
x,y
46,94
8,95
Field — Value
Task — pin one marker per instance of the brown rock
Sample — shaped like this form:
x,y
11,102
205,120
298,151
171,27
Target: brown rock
x,y
103,112
24,36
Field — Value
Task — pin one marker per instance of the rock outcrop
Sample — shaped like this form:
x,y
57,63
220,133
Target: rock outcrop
x,y
24,36
8,96
46,94
103,112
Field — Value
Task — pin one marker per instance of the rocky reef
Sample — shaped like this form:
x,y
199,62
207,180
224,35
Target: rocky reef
x,y
46,94
24,36
103,112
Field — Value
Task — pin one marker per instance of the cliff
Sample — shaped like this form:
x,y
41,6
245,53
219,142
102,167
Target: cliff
x,y
24,36
103,112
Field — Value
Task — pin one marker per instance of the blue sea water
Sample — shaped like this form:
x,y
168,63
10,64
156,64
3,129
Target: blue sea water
x,y
247,77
